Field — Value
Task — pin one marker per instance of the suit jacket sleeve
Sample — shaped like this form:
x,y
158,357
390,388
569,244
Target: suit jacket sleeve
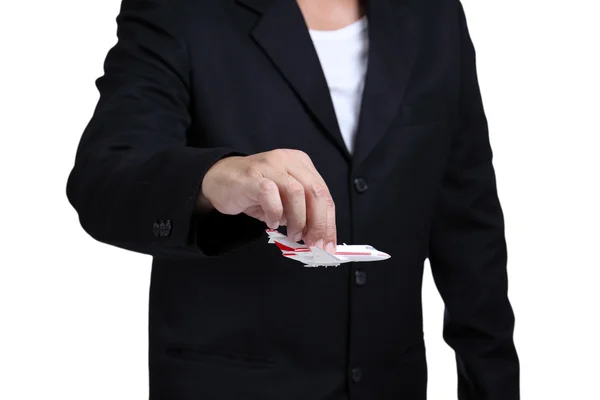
x,y
468,253
135,181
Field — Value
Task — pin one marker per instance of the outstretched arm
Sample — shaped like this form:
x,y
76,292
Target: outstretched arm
x,y
135,182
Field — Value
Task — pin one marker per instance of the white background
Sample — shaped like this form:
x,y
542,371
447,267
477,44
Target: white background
x,y
73,312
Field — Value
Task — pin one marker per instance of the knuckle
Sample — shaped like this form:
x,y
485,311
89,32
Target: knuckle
x,y
267,186
304,158
318,190
278,155
276,210
294,188
265,160
330,203
301,155
253,171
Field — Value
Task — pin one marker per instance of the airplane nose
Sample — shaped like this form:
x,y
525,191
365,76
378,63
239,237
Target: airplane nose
x,y
383,255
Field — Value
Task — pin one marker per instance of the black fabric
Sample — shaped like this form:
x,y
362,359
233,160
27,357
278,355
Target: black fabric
x,y
189,83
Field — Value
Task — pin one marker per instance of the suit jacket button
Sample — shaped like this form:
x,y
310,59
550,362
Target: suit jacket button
x,y
162,228
360,278
168,227
360,185
356,375
156,229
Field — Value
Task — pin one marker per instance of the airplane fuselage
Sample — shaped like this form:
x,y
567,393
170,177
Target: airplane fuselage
x,y
345,254
316,257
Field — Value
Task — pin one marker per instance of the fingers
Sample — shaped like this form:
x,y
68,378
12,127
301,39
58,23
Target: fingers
x,y
290,191
320,228
316,199
294,204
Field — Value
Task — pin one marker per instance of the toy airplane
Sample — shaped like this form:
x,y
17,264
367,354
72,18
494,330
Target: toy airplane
x,y
316,257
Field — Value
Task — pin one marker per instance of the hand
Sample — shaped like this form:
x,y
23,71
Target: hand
x,y
279,187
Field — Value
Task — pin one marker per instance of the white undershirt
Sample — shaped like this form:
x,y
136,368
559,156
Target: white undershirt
x,y
343,56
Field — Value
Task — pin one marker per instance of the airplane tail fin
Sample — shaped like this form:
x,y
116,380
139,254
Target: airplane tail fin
x,y
282,242
274,234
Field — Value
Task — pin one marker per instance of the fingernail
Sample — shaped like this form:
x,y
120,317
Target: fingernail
x,y
319,243
330,248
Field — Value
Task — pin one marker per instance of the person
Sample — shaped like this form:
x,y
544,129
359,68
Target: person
x,y
335,122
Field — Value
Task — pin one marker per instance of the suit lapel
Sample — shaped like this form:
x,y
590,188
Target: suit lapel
x,y
282,34
393,44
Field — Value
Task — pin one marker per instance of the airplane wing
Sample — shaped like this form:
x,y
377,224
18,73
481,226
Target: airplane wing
x,y
320,256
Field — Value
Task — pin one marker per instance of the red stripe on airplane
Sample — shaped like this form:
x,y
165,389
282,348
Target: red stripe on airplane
x,y
283,247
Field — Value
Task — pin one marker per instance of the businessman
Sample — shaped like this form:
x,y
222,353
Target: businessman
x,y
334,121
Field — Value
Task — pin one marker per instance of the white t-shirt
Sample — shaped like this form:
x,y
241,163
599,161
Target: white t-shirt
x,y
343,55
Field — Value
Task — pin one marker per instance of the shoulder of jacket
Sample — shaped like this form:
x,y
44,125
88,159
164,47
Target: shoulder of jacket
x,y
180,7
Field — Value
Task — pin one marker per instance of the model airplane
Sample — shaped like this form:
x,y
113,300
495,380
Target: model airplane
x,y
316,257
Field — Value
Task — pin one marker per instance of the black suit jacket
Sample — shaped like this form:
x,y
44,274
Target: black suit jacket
x,y
190,82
